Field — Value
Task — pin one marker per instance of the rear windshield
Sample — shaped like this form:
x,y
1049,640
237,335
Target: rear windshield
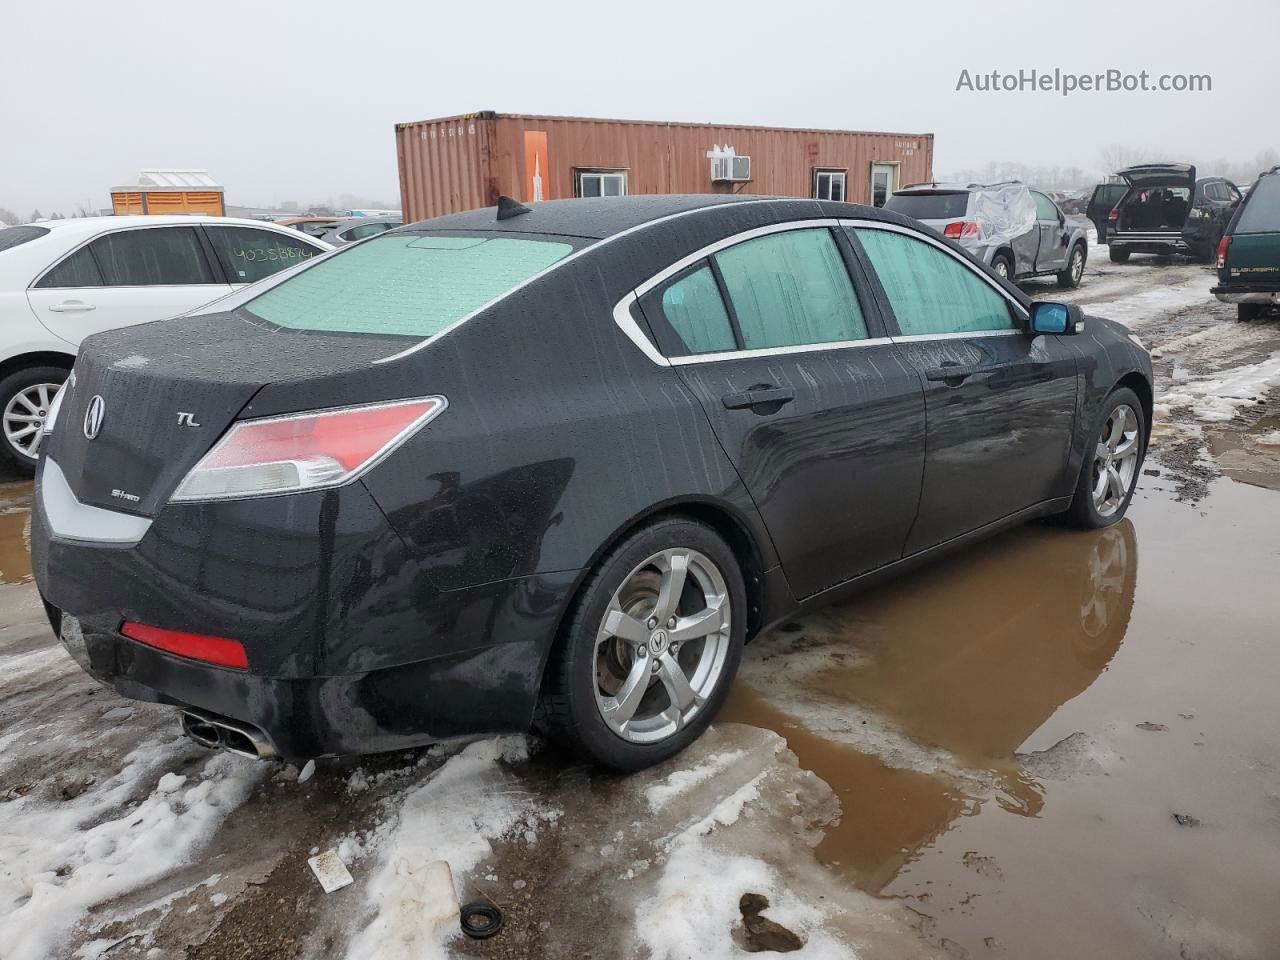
x,y
12,236
1261,212
929,206
401,284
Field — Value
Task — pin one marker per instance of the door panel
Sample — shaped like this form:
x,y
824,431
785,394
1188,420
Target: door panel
x,y
74,313
835,469
1052,254
1025,248
998,438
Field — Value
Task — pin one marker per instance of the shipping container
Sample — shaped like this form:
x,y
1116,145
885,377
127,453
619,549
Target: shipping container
x,y
170,191
463,162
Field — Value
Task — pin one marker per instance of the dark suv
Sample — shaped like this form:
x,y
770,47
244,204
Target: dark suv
x,y
1249,253
1162,208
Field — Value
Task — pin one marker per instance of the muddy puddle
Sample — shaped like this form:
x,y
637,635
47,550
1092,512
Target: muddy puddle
x,y
1058,743
1251,454
15,532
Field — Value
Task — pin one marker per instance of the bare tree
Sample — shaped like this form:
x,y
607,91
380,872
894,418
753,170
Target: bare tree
x,y
9,217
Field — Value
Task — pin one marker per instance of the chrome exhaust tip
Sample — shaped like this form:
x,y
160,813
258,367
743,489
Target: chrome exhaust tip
x,y
222,733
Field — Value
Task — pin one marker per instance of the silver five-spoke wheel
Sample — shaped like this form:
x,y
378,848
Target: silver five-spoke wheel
x,y
1077,266
24,416
1115,460
661,645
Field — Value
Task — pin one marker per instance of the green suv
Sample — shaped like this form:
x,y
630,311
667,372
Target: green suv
x,y
1249,253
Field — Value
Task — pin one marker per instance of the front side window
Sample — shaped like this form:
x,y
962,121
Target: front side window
x,y
791,288
410,285
1045,210
930,291
250,254
601,183
829,185
695,311
77,270
158,256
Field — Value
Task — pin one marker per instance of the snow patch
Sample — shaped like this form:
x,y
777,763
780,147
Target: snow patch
x,y
61,860
1215,399
1139,308
660,794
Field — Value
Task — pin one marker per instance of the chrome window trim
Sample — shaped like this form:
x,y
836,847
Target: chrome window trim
x,y
423,344
688,359
623,318
958,335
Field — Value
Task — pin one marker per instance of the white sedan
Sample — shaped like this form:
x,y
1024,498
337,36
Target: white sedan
x,y
62,280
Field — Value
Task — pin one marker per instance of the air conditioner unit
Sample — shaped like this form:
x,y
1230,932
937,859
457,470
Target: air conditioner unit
x,y
730,169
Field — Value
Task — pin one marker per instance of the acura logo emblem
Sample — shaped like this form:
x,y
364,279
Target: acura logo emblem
x,y
93,416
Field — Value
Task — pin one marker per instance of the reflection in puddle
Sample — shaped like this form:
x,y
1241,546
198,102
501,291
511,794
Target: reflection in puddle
x,y
967,659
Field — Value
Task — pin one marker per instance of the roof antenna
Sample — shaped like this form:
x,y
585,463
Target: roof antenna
x,y
508,208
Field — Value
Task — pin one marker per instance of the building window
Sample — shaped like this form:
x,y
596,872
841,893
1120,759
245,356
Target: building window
x,y
829,185
600,183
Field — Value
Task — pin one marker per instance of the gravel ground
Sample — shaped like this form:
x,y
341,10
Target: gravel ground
x,y
1044,746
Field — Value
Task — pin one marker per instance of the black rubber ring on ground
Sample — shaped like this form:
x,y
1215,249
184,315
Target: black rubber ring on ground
x,y
480,920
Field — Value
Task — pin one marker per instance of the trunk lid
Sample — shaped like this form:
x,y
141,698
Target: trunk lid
x,y
1253,258
169,390
1146,175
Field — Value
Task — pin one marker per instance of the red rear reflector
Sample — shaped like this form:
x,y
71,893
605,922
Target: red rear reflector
x,y
1222,251
1114,214
196,646
962,228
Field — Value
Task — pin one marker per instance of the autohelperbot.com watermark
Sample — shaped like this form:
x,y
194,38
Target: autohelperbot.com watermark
x,y
1066,82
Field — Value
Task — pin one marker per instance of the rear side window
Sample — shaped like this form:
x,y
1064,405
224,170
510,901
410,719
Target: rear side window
x,y
1261,212
13,236
929,206
693,307
160,256
791,288
250,254
77,270
410,285
930,291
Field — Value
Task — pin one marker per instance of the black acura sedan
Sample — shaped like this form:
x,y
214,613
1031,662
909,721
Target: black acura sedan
x,y
553,464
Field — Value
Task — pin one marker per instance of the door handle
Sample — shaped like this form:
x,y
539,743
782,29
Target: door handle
x,y
954,371
758,397
72,306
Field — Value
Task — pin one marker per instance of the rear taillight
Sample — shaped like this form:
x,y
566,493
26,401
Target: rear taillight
x,y
1222,251
304,451
961,228
1114,214
196,646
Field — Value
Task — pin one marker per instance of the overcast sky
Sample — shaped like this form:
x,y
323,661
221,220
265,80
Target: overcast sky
x,y
298,100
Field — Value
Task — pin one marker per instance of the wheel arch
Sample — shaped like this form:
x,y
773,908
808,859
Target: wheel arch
x,y
37,358
1139,384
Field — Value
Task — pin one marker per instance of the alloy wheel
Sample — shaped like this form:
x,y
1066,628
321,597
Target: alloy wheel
x,y
1002,269
662,644
24,417
1077,266
1115,460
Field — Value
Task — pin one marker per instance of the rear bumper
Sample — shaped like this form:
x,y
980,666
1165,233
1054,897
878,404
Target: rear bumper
x,y
1248,293
1150,242
351,648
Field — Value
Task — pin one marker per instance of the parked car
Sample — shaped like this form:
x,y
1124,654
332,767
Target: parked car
x,y
1044,242
1070,202
61,280
564,460
1249,252
1102,201
350,229
1164,209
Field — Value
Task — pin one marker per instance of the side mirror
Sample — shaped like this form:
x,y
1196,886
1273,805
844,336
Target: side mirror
x,y
1056,318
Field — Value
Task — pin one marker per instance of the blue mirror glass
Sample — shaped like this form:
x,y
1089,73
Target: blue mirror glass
x,y
1050,318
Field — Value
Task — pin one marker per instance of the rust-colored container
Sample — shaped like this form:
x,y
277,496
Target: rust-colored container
x,y
458,163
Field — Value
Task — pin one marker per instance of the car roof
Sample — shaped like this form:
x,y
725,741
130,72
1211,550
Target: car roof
x,y
593,217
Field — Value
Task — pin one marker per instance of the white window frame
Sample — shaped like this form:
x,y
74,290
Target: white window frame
x,y
581,174
832,174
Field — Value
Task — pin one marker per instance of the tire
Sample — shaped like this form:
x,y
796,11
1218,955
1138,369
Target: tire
x,y
1069,278
1118,255
18,392
1249,311
586,679
1086,512
1003,266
